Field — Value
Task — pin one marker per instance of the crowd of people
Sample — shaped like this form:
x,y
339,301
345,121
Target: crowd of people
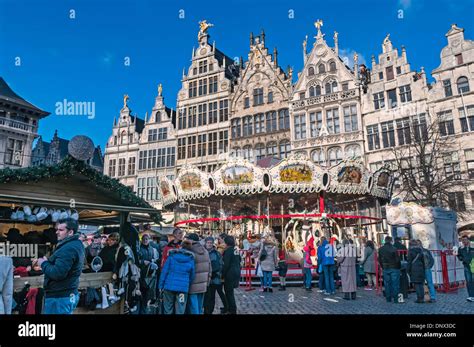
x,y
181,273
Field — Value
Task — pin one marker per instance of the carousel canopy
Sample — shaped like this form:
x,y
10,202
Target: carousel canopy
x,y
295,180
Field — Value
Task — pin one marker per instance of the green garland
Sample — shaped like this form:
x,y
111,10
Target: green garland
x,y
67,168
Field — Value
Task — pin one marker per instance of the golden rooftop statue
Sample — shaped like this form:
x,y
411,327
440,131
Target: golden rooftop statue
x,y
160,89
318,24
125,100
204,26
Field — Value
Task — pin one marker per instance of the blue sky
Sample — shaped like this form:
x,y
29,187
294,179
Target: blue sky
x,y
82,59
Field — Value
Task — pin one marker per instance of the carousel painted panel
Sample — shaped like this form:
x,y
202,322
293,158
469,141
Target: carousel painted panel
x,y
168,190
239,177
193,183
382,183
350,177
297,174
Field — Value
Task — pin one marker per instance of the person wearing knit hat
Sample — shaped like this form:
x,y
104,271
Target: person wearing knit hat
x,y
193,237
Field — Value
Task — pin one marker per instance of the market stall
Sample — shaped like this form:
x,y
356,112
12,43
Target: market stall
x,y
33,199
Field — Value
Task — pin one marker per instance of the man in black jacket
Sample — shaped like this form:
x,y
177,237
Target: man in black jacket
x,y
62,270
231,272
390,262
466,256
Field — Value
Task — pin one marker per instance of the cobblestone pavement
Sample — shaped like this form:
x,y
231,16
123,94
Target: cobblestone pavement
x,y
295,300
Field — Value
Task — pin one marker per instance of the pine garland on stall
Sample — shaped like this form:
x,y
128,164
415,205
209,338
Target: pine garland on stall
x,y
66,168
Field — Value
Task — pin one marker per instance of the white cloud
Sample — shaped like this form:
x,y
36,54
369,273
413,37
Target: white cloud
x,y
405,4
347,56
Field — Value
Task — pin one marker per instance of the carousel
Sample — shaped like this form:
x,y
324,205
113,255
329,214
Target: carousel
x,y
292,201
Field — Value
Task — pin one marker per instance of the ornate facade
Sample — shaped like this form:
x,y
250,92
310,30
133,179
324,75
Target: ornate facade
x,y
325,112
157,150
452,100
260,122
19,122
121,151
203,106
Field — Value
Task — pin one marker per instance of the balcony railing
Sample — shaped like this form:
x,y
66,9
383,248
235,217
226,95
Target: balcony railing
x,y
16,125
314,100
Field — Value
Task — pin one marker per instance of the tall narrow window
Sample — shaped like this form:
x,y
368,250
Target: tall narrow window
x,y
379,100
446,124
350,118
448,91
271,121
388,134
373,137
392,98
316,123
223,110
300,127
389,73
257,96
405,93
332,121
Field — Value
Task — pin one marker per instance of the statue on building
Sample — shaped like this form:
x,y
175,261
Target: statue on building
x,y
160,89
364,77
203,27
125,100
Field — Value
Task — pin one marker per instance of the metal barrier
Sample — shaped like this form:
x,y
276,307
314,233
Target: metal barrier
x,y
447,273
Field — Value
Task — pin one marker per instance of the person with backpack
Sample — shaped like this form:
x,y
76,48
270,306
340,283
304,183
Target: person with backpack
x,y
416,270
466,256
429,263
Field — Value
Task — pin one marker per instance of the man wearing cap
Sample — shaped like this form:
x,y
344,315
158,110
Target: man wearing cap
x,y
62,270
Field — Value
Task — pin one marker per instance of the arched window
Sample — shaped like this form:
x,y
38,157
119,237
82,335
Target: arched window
x,y
158,117
463,85
335,155
285,149
123,137
272,149
353,151
334,86
311,91
327,87
332,66
247,152
318,90
259,151
318,157
321,68
311,71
